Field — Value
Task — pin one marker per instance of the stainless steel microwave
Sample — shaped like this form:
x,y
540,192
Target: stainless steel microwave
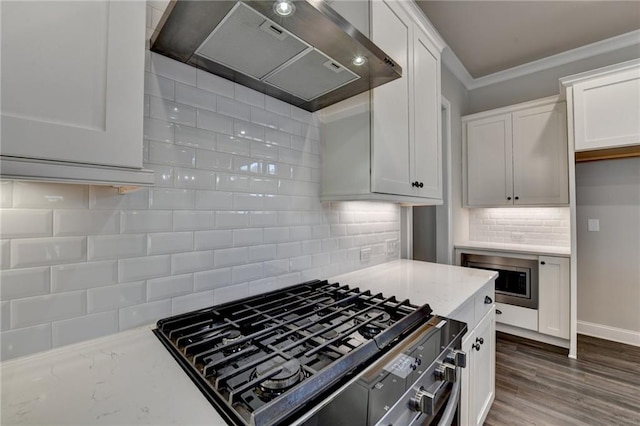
x,y
517,282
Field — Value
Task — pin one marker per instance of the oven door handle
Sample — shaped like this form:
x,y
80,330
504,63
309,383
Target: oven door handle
x,y
454,399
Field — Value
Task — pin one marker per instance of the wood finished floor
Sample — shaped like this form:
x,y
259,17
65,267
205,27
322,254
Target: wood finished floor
x,y
537,384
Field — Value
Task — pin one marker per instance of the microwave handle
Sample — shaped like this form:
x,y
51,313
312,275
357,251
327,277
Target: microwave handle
x,y
452,406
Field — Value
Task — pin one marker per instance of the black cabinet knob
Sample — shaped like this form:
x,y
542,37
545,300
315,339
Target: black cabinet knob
x,y
421,185
488,300
509,198
480,340
498,312
413,184
517,198
476,346
543,263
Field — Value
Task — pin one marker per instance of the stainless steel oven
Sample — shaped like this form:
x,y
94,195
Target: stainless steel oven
x,y
517,282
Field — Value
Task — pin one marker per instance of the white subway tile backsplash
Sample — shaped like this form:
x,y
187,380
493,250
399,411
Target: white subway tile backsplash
x,y
230,257
147,313
158,130
213,83
25,341
195,97
194,179
47,251
18,283
6,194
47,308
139,268
85,222
172,155
173,70
28,195
158,86
191,262
277,106
84,328
244,129
249,96
195,138
214,200
115,296
211,160
191,302
260,253
215,278
83,275
246,273
25,223
172,198
163,288
174,112
107,198
138,221
230,293
116,246
5,316
214,121
170,242
243,162
233,145
210,240
233,108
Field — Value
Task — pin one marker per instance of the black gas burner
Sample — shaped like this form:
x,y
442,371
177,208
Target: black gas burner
x,y
253,358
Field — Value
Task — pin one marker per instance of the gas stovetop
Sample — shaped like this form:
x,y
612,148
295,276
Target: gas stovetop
x,y
261,359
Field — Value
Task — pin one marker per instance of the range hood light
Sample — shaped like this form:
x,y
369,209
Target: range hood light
x,y
359,60
284,7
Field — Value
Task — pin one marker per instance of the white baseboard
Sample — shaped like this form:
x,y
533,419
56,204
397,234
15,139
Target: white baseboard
x,y
532,335
609,333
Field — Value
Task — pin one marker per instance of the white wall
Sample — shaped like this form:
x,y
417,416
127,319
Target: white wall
x,y
235,211
609,260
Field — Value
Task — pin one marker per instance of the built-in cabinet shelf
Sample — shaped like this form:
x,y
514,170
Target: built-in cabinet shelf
x,y
72,91
517,156
385,144
604,107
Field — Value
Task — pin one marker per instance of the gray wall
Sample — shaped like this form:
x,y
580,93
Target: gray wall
x,y
543,83
609,260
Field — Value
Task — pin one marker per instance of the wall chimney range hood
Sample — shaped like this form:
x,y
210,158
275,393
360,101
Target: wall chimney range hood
x,y
311,58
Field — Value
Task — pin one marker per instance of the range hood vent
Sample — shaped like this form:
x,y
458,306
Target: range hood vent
x,y
305,59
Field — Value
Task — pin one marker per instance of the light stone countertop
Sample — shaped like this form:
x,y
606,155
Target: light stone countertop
x,y
130,378
516,248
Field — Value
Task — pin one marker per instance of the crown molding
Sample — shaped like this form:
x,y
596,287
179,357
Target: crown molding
x,y
451,61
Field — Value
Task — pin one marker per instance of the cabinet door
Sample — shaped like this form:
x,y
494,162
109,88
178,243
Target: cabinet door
x,y
427,153
607,111
540,153
553,292
72,81
483,366
489,161
391,146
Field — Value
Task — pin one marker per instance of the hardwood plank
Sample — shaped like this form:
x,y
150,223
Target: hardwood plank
x,y
537,384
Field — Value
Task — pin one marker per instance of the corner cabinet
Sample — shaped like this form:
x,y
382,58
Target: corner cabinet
x,y
72,91
385,145
517,155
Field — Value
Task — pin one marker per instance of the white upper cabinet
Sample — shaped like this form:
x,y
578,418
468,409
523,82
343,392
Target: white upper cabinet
x,y
72,89
385,145
605,104
517,155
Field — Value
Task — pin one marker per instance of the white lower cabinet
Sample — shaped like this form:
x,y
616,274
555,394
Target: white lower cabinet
x,y
553,294
478,378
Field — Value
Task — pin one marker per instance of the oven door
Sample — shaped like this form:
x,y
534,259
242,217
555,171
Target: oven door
x,y
412,383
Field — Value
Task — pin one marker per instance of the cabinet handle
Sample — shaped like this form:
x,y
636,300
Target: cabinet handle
x,y
498,312
509,198
421,185
543,263
476,346
480,340
517,198
488,300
